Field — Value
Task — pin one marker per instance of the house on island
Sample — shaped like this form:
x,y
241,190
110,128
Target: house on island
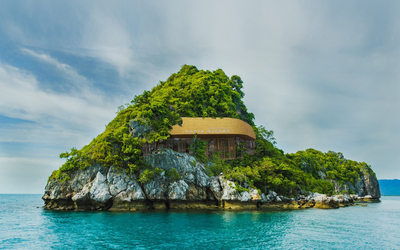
x,y
229,136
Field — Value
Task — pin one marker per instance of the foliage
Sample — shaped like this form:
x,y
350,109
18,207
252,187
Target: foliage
x,y
198,93
240,189
148,175
173,175
332,164
287,174
188,93
59,176
198,147
216,166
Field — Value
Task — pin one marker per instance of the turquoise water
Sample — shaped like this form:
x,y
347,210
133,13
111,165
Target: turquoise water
x,y
25,226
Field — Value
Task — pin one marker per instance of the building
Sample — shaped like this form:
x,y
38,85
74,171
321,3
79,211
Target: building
x,y
229,136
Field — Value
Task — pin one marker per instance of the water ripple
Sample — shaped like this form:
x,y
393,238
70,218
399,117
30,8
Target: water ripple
x,y
24,226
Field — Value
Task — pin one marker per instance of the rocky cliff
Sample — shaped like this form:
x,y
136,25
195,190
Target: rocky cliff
x,y
100,188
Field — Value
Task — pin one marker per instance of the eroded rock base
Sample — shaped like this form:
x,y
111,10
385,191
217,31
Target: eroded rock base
x,y
101,188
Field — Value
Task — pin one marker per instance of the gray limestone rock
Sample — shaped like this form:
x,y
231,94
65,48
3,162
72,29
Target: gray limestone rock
x,y
322,175
83,195
98,187
245,196
99,190
178,190
215,187
139,128
371,184
264,198
124,187
228,190
156,189
188,168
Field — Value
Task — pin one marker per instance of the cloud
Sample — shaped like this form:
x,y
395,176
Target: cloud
x,y
106,39
320,74
83,110
59,121
72,76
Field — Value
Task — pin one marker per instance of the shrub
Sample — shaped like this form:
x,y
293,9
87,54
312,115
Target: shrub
x,y
148,175
173,175
198,147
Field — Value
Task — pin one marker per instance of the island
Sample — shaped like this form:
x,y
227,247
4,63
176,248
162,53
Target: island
x,y
191,143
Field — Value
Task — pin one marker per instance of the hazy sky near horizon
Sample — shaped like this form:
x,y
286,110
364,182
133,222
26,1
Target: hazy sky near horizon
x,y
320,74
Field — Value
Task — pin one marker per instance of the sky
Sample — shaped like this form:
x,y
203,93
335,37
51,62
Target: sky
x,y
320,74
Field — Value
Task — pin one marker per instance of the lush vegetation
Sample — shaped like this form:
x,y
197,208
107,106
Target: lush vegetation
x,y
188,93
198,147
198,93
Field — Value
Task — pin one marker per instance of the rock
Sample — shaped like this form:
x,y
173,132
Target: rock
x,y
215,187
343,200
99,190
245,196
182,162
156,189
254,195
324,201
124,187
196,193
118,180
322,175
354,196
264,198
338,187
83,195
139,128
177,190
371,184
63,191
228,190
273,193
93,192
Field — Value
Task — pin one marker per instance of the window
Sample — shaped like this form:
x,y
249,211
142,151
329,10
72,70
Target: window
x,y
182,146
227,148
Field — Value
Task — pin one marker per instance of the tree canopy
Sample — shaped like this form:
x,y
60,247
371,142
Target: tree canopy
x,y
187,93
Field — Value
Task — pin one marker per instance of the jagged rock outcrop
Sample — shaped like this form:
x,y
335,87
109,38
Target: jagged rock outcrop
x,y
139,128
100,188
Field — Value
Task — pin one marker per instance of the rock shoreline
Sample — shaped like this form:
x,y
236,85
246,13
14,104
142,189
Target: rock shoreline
x,y
113,189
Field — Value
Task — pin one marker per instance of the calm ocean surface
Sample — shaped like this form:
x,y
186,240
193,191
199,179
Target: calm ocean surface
x,y
25,226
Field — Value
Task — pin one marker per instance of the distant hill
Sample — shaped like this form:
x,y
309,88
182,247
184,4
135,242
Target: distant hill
x,y
389,187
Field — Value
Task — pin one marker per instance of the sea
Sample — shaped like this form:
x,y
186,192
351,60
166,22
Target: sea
x,y
24,224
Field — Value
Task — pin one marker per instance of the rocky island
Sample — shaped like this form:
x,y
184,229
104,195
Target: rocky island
x,y
190,143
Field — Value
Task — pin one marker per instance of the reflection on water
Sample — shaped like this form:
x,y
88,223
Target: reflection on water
x,y
23,225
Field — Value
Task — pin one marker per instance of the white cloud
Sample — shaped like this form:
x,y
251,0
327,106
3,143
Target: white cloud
x,y
20,97
320,74
70,73
61,120
106,39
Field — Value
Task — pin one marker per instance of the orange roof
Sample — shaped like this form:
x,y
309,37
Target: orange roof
x,y
208,127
